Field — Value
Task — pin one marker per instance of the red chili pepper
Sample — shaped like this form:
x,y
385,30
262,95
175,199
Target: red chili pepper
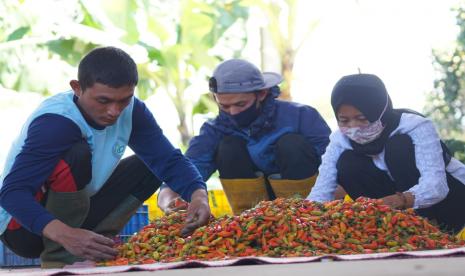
x,y
286,227
225,234
268,218
430,244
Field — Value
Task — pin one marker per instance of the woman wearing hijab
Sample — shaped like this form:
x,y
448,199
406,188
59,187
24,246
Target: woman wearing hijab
x,y
392,154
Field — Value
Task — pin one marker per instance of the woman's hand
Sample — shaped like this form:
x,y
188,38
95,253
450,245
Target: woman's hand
x,y
340,193
399,200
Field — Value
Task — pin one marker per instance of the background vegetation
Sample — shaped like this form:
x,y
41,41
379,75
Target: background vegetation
x,y
176,45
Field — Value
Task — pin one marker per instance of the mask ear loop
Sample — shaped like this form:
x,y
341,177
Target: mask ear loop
x,y
385,108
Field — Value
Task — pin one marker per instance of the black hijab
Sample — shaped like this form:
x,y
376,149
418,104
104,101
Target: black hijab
x,y
368,94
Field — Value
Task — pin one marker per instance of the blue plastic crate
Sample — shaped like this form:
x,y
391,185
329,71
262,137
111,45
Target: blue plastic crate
x,y
10,259
137,221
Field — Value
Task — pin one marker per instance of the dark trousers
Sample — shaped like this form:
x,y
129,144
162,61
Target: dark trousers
x,y
73,173
295,158
359,176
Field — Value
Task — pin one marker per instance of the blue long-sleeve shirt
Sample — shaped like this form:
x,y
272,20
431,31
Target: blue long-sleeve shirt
x,y
49,136
276,119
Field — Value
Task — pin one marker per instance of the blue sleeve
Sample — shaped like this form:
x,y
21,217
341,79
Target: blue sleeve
x,y
49,136
166,162
202,150
315,129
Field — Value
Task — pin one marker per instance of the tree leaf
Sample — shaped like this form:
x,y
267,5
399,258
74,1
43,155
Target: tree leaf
x,y
205,105
18,33
88,19
123,14
70,50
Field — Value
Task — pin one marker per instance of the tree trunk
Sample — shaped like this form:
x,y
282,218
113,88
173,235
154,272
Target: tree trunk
x,y
184,131
287,65
183,127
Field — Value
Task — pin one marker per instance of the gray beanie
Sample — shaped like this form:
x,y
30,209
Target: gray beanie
x,y
240,76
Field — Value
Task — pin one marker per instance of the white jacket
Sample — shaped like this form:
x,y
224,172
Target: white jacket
x,y
432,184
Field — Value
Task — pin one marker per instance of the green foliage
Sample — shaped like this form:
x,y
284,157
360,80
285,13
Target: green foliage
x,y
446,103
123,14
457,148
183,53
88,19
446,106
25,32
281,17
204,105
18,33
171,41
70,50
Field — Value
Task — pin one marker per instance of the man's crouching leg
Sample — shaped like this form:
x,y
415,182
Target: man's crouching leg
x,y
70,208
67,200
128,187
243,185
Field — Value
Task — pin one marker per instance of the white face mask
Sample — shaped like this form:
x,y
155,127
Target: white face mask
x,y
366,134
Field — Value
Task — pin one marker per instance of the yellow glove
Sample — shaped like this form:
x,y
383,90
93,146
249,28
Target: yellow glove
x,y
461,235
347,199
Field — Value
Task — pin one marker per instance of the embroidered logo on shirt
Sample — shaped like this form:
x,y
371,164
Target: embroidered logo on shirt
x,y
118,149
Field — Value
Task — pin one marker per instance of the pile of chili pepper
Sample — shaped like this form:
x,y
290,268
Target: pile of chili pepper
x,y
287,228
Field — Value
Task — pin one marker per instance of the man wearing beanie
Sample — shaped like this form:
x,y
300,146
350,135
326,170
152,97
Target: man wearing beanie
x,y
262,147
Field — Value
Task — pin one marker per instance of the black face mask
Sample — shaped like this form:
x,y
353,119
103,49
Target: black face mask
x,y
246,117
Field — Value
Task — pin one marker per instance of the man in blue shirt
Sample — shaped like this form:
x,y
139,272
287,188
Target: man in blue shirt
x,y
65,188
262,147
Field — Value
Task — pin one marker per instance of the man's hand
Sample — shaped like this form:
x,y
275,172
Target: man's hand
x,y
175,205
80,242
169,201
198,212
